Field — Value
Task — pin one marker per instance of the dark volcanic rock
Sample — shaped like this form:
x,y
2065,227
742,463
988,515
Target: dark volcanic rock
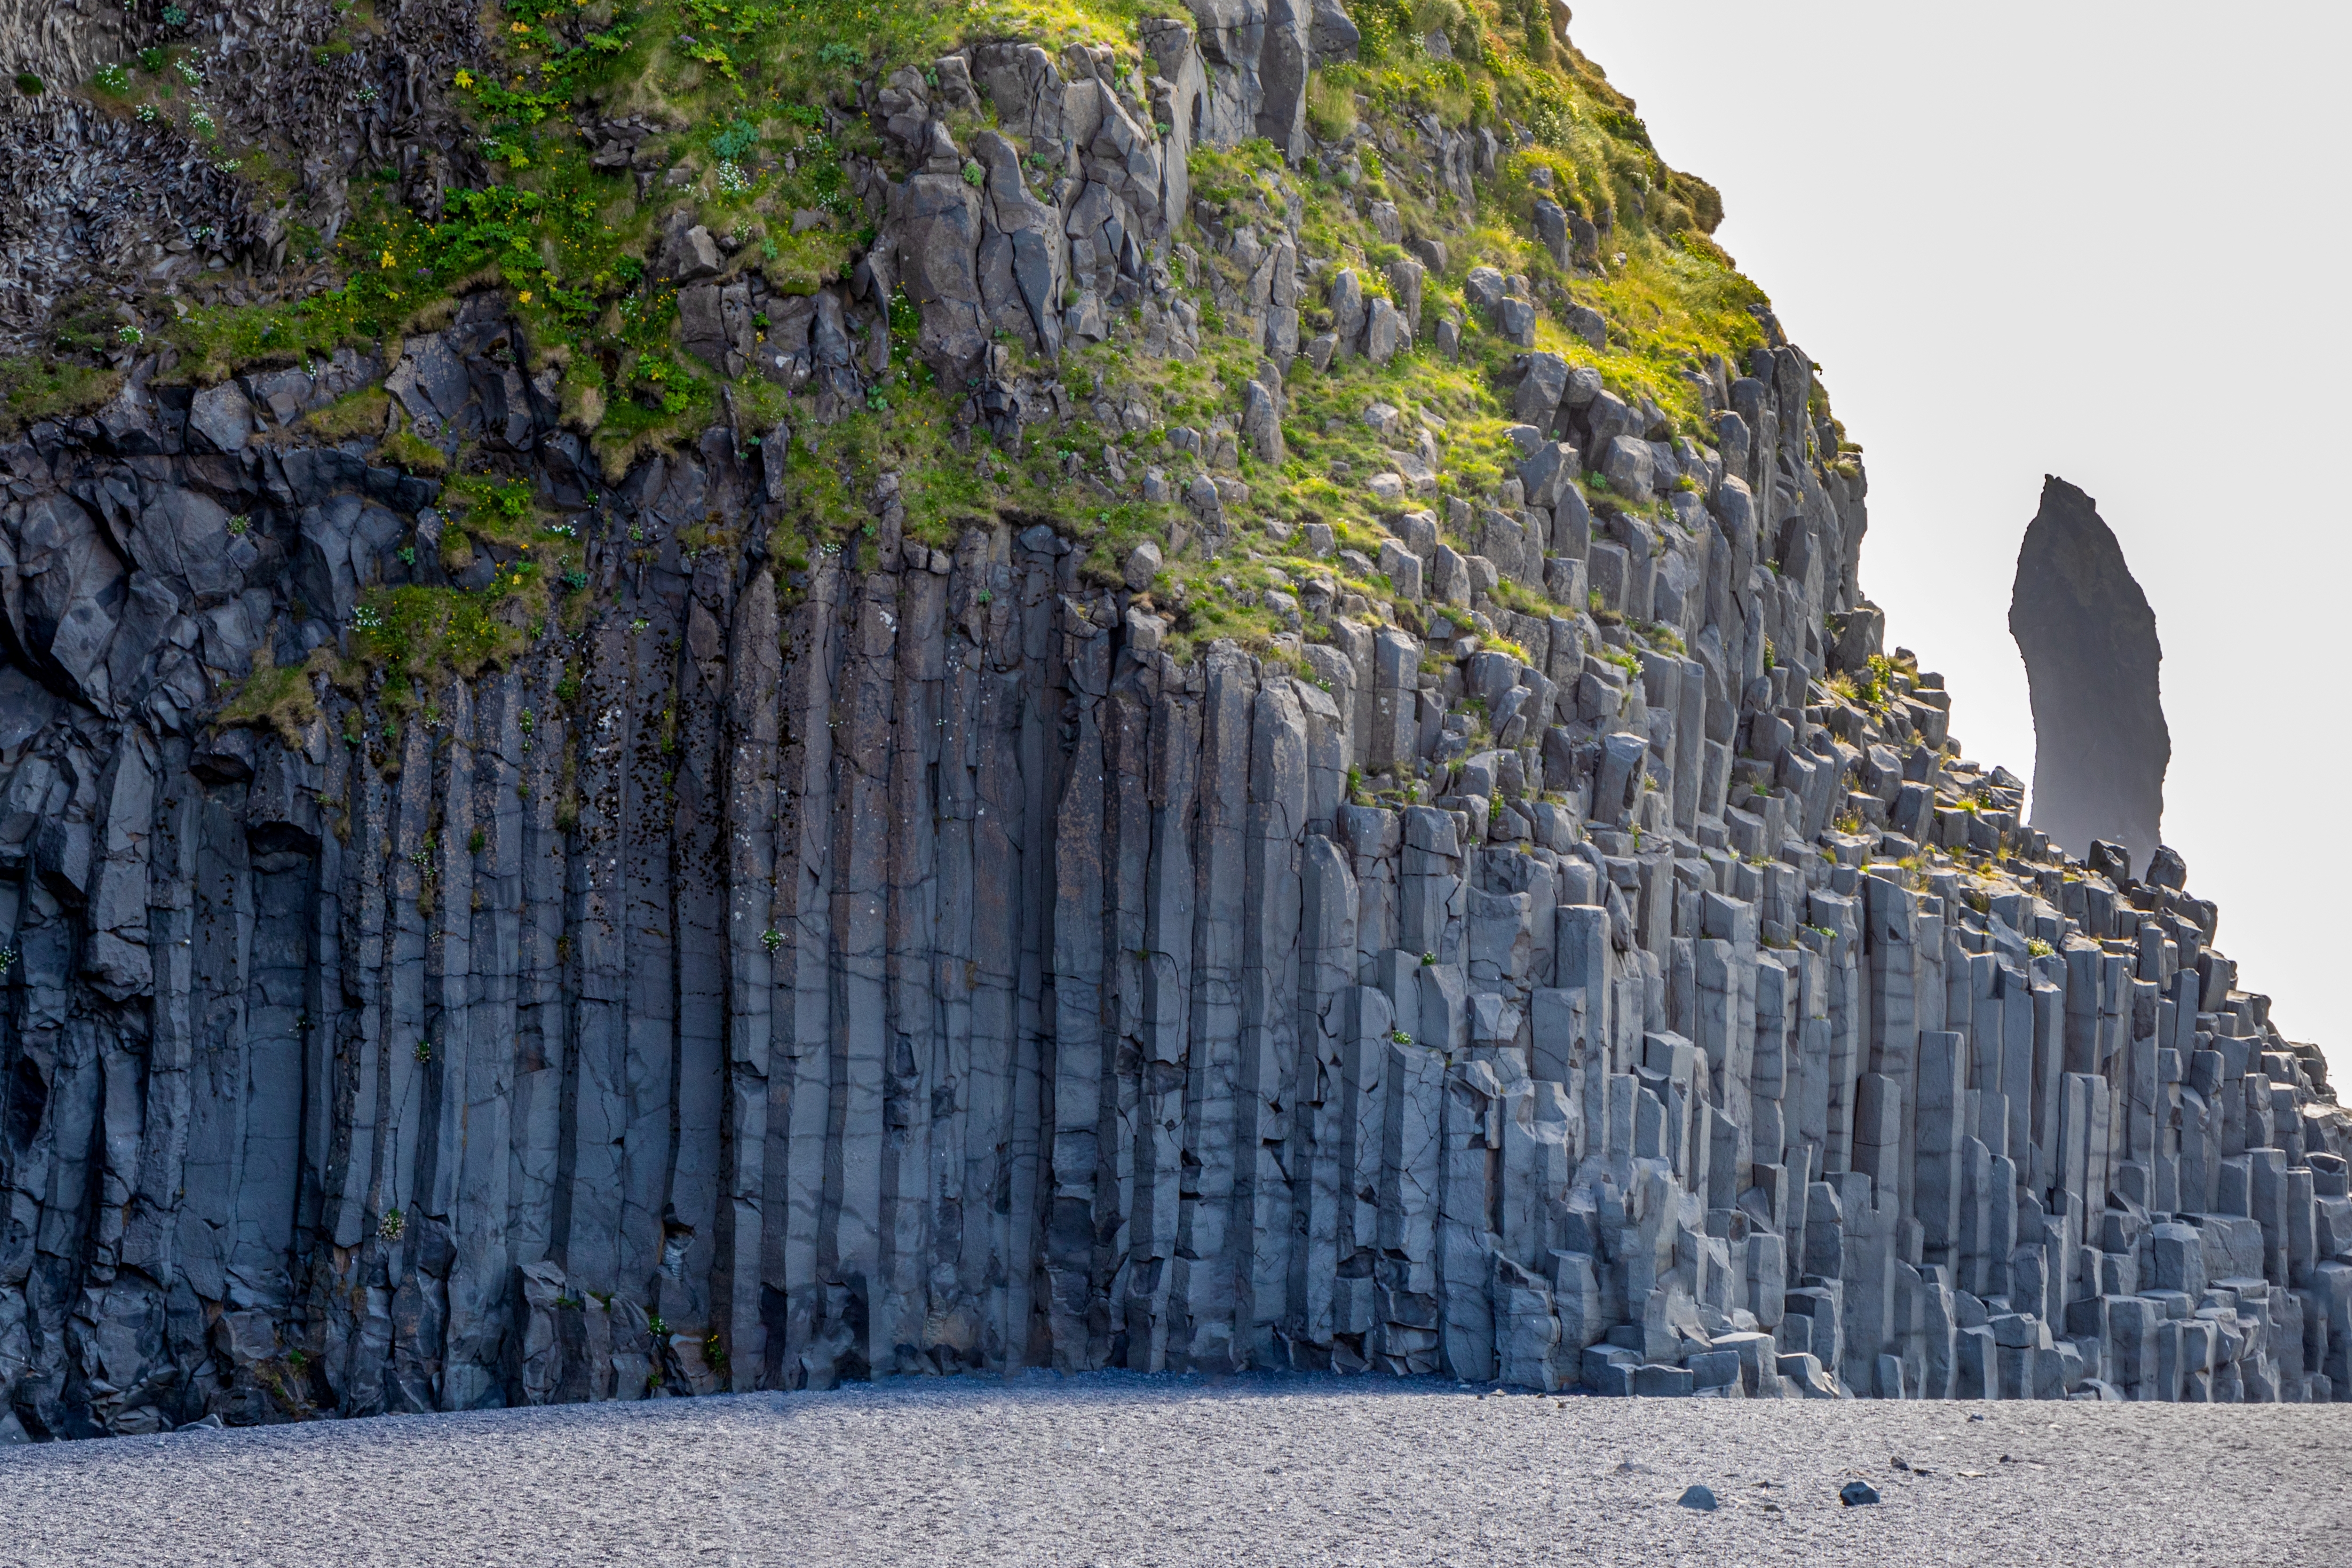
x,y
2091,654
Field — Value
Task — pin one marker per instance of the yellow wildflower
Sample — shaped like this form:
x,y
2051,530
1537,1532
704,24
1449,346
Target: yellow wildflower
x,y
465,78
388,262
526,296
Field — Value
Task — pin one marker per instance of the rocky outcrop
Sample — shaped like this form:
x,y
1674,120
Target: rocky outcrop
x,y
1246,76
107,213
901,967
2092,657
1594,966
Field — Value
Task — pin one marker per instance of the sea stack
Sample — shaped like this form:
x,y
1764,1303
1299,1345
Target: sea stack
x,y
2092,658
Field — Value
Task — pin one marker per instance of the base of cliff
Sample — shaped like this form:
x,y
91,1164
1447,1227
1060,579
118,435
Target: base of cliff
x,y
1121,1468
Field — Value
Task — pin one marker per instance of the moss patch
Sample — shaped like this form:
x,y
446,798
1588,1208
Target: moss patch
x,y
275,698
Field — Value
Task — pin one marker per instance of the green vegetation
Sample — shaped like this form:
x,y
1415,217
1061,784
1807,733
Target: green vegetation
x,y
406,450
420,636
277,699
41,387
754,100
359,416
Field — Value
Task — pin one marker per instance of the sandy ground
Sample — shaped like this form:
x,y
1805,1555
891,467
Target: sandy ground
x,y
1119,1470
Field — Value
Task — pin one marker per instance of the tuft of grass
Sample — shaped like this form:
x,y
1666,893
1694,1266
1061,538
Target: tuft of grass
x,y
1331,108
356,416
38,387
413,452
275,698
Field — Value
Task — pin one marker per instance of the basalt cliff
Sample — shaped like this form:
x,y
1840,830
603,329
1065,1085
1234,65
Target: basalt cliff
x,y
701,699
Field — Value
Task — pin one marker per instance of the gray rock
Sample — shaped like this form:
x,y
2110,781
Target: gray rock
x,y
1348,312
2092,660
1334,39
1140,567
1405,278
1546,476
1204,500
1627,465
1542,387
1449,581
1551,229
1515,319
1402,567
1384,332
1698,1498
936,226
220,419
1261,427
688,252
954,88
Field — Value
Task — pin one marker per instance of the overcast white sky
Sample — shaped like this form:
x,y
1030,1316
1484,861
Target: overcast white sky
x,y
2101,240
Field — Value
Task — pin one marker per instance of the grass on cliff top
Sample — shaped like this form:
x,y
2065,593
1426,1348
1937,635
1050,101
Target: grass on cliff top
x,y
746,84
755,102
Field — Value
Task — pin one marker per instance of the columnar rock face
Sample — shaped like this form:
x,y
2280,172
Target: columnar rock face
x,y
1598,970
2092,656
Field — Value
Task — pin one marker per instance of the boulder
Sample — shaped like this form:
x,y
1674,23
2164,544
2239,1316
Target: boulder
x,y
1384,331
688,252
1482,289
219,419
1551,228
1515,319
1548,473
1629,466
935,229
1261,426
1332,37
1405,277
1542,386
1348,312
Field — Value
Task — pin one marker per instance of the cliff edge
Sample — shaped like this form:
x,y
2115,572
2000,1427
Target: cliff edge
x,y
935,692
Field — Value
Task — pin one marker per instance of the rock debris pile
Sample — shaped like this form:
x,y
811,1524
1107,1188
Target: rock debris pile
x,y
1594,967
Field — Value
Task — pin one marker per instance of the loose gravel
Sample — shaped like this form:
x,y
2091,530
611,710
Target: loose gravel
x,y
1120,1471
